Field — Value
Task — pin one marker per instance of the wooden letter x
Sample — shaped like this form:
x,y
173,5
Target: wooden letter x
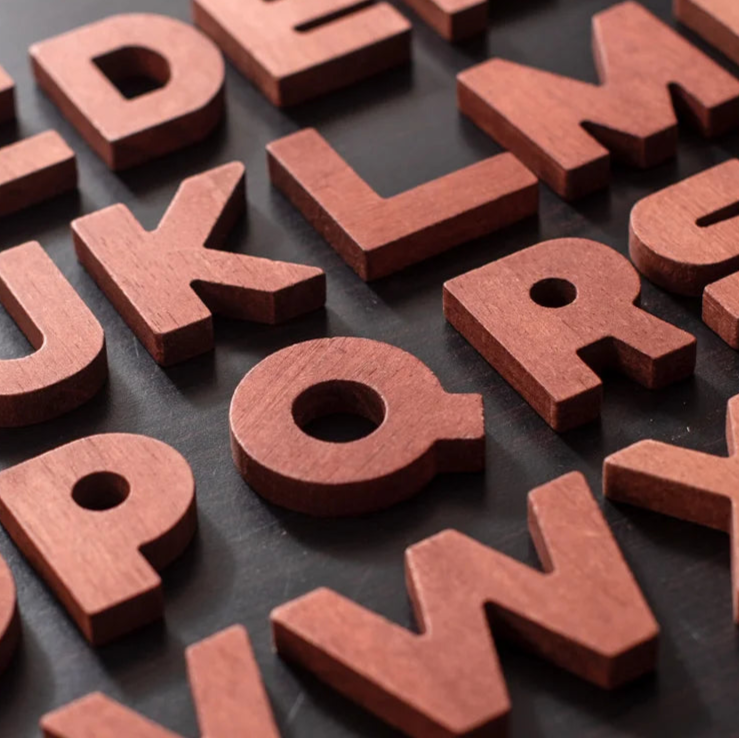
x,y
683,483
35,169
226,686
165,283
378,236
585,613
563,128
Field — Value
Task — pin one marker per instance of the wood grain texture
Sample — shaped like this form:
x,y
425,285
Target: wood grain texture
x,y
684,483
378,236
7,97
226,688
97,716
10,623
125,132
721,308
686,239
585,613
548,316
454,20
34,170
294,50
685,236
563,129
165,283
69,364
717,21
96,518
421,429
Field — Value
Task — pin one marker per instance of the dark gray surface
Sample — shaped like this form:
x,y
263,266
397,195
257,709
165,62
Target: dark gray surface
x,y
398,130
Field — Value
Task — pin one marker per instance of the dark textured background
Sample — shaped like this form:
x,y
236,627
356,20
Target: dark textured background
x,y
397,130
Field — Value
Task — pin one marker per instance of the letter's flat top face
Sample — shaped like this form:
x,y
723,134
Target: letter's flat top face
x,y
397,130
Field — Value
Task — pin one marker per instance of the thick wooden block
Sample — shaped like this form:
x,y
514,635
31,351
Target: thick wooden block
x,y
294,50
548,316
96,518
687,484
35,169
586,614
563,129
166,284
717,21
125,132
69,364
378,236
7,97
422,430
227,690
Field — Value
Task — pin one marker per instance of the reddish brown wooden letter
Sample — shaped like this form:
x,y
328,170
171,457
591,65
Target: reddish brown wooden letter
x,y
716,20
72,70
294,50
165,284
686,238
453,19
378,236
687,484
422,430
10,625
35,169
96,518
69,364
227,690
546,316
563,128
585,613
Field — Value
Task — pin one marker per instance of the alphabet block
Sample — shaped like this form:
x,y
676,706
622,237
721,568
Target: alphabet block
x,y
94,517
165,283
422,430
378,236
546,316
686,238
717,21
563,129
227,690
69,365
683,483
125,132
294,50
585,614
